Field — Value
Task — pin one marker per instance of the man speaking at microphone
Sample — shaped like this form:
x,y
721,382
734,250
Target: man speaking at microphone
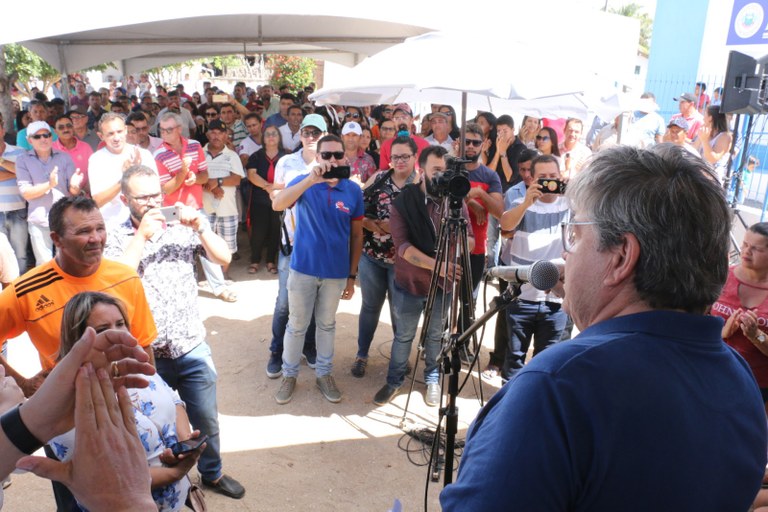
x,y
536,219
647,408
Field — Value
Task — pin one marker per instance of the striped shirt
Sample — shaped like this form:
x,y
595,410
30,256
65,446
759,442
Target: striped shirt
x,y
10,197
169,165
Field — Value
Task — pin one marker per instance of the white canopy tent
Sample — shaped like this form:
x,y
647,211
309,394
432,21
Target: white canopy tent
x,y
142,38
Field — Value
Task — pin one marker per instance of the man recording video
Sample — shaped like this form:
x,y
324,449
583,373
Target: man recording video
x,y
415,218
647,408
536,219
327,247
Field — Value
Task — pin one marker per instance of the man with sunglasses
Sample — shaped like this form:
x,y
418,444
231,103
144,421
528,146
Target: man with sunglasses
x,y
44,176
78,150
327,248
289,167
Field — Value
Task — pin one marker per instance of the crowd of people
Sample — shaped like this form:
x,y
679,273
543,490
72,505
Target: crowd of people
x,y
107,205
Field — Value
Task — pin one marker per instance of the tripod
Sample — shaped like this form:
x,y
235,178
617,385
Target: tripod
x,y
737,175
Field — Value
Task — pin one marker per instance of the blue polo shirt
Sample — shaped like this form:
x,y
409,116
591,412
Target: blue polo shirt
x,y
325,215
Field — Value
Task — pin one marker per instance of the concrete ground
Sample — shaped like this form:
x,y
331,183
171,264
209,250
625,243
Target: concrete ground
x,y
309,454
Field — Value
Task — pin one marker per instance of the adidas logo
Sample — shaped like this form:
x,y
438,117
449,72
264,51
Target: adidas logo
x,y
42,303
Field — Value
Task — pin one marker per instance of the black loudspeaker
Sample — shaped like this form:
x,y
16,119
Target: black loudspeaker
x,y
744,88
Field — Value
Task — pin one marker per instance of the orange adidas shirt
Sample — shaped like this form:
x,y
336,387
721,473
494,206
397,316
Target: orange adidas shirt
x,y
35,303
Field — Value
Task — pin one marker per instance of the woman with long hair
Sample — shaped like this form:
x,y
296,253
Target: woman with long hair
x,y
714,141
487,122
546,143
448,110
264,222
161,419
528,130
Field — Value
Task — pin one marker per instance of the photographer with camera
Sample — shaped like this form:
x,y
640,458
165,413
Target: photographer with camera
x,y
377,271
536,219
327,245
414,221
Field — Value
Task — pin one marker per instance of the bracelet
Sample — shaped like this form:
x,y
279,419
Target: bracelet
x,y
352,277
18,433
503,155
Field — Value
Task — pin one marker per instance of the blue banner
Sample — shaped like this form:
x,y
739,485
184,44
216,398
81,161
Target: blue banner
x,y
749,22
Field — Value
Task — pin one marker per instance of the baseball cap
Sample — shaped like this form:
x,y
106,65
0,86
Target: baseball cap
x,y
315,120
217,125
686,96
80,109
36,126
352,127
404,107
679,122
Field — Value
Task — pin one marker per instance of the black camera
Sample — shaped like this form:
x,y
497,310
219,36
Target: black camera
x,y
340,172
550,186
454,182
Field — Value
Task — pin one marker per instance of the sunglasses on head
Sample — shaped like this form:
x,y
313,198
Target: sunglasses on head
x,y
472,142
41,136
326,155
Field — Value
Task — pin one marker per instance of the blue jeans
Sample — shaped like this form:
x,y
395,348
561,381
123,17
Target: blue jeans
x,y
542,321
280,315
14,225
408,309
213,272
376,280
305,295
194,376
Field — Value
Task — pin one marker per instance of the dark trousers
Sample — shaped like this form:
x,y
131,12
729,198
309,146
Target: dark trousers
x,y
542,321
265,232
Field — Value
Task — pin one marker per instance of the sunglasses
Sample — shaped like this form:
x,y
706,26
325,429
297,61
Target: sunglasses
x,y
41,136
62,126
211,114
311,134
326,155
353,115
474,143
542,137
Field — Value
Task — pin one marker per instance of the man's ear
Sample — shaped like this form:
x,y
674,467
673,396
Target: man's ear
x,y
56,239
124,199
623,261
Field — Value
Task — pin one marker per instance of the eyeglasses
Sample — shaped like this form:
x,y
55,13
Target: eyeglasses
x,y
542,137
387,129
167,130
352,115
146,199
271,134
401,158
326,155
388,110
569,234
400,118
473,142
41,136
61,126
211,114
311,134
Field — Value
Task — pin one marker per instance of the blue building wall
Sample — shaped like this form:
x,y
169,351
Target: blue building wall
x,y
678,32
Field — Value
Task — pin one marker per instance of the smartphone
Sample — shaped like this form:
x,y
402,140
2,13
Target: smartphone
x,y
170,213
550,186
220,98
339,172
189,445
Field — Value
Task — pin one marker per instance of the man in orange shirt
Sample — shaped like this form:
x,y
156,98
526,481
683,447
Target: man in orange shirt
x,y
34,302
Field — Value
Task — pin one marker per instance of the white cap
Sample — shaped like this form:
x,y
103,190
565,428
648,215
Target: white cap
x,y
36,126
352,127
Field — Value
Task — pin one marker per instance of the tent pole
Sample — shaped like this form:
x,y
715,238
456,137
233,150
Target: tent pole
x,y
463,122
65,75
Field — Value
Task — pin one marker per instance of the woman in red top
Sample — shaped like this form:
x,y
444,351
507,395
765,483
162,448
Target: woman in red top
x,y
743,304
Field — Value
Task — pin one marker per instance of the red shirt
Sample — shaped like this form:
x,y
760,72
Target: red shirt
x,y
169,165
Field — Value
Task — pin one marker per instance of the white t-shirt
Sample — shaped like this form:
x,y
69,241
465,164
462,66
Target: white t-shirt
x,y
248,146
286,170
290,140
104,170
221,166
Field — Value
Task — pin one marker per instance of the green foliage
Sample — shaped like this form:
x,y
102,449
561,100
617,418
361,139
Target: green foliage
x,y
295,71
28,65
634,10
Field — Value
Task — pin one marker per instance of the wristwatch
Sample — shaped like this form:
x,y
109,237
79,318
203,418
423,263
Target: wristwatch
x,y
761,337
220,181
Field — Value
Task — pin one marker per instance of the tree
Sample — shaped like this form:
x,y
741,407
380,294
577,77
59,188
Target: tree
x,y
26,65
634,10
297,72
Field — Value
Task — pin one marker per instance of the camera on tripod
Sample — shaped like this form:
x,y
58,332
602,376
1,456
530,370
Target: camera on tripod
x,y
454,182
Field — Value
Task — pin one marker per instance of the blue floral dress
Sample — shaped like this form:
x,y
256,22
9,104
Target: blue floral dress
x,y
155,414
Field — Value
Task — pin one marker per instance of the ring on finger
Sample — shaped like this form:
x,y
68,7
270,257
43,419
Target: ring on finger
x,y
115,370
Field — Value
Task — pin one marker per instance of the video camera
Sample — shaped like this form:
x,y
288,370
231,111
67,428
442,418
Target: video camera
x,y
454,182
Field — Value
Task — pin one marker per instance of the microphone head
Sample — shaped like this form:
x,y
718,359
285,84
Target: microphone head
x,y
543,275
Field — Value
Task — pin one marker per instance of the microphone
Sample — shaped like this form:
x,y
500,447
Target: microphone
x,y
542,274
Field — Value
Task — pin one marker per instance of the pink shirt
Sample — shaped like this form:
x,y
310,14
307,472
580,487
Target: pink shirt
x,y
79,154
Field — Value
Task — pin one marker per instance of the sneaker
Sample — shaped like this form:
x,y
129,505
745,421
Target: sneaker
x,y
328,389
491,372
274,365
310,356
285,393
385,394
358,368
432,395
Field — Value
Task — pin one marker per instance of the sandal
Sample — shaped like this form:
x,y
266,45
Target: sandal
x,y
271,268
490,372
253,268
227,296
